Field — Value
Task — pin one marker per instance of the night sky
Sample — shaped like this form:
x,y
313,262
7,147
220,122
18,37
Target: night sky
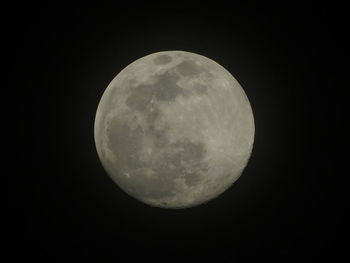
x,y
287,205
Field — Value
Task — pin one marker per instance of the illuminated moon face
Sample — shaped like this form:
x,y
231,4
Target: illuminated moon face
x,y
174,129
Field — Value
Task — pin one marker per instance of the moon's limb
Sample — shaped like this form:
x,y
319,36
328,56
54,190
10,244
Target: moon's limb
x,y
174,129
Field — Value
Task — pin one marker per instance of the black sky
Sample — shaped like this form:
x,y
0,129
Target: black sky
x,y
287,205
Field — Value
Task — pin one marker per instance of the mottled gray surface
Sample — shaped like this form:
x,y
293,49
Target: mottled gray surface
x,y
174,129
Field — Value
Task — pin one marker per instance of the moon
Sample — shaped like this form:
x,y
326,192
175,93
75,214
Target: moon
x,y
174,129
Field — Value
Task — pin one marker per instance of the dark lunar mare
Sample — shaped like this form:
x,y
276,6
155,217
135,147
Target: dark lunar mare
x,y
188,68
162,60
164,88
184,161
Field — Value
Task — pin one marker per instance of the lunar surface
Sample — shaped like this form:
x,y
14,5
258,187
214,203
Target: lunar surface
x,y
174,129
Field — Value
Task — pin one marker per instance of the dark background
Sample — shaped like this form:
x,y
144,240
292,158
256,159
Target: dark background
x,y
288,204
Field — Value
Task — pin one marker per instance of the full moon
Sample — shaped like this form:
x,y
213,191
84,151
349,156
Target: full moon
x,y
174,129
